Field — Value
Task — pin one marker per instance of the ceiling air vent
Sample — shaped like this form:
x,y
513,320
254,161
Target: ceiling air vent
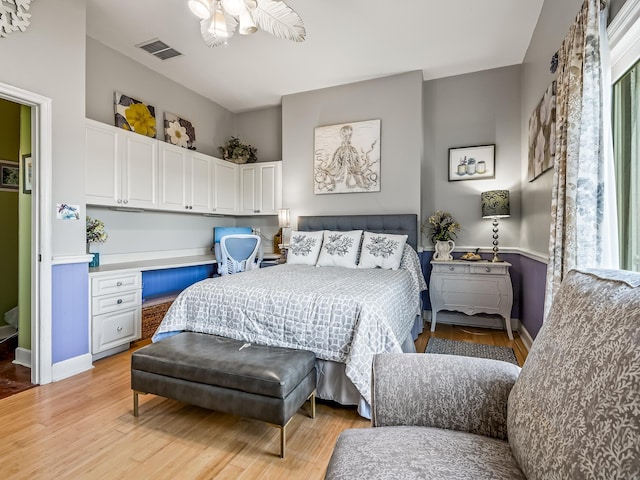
x,y
159,49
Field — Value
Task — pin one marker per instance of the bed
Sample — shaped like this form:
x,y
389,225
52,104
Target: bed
x,y
343,315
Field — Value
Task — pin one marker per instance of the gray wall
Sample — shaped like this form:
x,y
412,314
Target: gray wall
x,y
109,71
261,129
475,109
553,26
397,101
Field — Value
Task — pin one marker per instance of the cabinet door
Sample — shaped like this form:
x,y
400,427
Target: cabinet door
x,y
199,196
140,171
225,187
269,188
173,178
102,176
249,198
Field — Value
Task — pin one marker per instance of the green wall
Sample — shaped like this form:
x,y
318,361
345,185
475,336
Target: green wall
x,y
24,239
9,151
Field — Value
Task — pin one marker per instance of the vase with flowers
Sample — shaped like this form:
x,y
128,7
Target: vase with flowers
x,y
442,228
96,234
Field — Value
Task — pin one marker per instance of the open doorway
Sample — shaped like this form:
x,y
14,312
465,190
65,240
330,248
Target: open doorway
x,y
34,331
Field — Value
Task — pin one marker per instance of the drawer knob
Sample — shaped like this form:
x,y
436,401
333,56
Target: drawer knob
x,y
487,269
119,329
119,284
119,301
451,267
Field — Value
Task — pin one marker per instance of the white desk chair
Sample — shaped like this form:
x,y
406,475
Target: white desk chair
x,y
239,253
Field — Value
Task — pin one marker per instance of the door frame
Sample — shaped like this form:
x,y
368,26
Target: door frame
x,y
41,148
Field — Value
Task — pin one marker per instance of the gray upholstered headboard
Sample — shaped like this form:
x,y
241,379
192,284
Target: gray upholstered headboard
x,y
402,224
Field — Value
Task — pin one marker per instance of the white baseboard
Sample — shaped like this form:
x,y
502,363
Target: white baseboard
x,y
23,357
479,320
6,331
526,337
73,366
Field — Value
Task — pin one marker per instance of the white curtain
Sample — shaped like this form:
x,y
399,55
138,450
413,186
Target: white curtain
x,y
583,220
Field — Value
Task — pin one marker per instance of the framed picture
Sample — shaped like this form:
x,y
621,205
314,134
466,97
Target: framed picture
x,y
347,158
9,176
472,163
179,131
27,173
134,115
542,135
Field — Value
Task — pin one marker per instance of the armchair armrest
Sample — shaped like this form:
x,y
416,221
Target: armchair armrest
x,y
442,391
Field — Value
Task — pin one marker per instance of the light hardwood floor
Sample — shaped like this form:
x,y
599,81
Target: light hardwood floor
x,y
83,428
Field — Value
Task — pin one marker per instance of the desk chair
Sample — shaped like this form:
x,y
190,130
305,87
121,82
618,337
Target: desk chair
x,y
239,253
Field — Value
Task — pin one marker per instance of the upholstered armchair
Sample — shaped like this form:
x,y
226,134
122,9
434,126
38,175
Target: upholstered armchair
x,y
572,412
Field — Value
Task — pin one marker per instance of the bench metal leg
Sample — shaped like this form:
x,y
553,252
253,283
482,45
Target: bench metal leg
x,y
135,402
312,399
283,439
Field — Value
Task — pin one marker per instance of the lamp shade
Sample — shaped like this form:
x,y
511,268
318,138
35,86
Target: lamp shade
x,y
283,218
495,204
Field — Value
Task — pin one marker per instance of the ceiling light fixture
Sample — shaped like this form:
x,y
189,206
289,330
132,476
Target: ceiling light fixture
x,y
219,19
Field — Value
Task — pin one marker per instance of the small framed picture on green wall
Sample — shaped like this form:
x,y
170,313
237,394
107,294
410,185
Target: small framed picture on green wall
x,y
27,173
9,176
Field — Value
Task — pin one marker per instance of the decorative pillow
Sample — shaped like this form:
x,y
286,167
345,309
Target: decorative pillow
x,y
340,249
304,247
382,250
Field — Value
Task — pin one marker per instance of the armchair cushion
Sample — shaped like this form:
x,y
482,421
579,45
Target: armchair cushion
x,y
443,391
420,453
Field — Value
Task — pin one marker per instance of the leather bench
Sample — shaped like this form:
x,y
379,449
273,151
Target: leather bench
x,y
253,381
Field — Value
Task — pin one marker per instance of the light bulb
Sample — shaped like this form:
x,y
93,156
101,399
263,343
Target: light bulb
x,y
247,25
200,8
234,7
219,24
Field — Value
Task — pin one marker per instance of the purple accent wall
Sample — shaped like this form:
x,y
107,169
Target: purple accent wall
x,y
528,280
69,311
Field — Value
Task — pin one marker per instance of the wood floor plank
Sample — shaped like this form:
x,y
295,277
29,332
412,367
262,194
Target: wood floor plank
x,y
83,427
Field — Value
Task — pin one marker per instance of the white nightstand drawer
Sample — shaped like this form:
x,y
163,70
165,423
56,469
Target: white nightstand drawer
x,y
114,329
102,285
118,301
489,269
450,268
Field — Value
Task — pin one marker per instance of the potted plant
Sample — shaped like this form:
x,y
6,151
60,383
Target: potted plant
x,y
442,228
96,234
237,152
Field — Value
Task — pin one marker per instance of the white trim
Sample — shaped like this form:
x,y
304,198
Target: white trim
x,y
157,255
42,148
23,357
6,331
71,259
624,38
525,336
478,320
72,366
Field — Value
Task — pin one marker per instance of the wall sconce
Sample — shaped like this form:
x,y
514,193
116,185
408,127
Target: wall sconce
x,y
495,205
283,222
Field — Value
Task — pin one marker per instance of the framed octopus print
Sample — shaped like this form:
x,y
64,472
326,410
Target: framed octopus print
x,y
347,158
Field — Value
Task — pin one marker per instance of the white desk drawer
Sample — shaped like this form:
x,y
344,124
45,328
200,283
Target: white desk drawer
x,y
491,269
107,284
118,301
114,329
450,268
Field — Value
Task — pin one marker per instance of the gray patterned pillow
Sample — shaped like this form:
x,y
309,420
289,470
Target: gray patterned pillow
x,y
380,250
340,249
304,247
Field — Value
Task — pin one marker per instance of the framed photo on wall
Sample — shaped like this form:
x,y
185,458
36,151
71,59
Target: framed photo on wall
x,y
9,176
472,163
27,173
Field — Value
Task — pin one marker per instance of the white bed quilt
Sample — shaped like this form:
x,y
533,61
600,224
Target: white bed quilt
x,y
342,314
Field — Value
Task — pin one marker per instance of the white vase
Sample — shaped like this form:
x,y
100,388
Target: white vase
x,y
443,250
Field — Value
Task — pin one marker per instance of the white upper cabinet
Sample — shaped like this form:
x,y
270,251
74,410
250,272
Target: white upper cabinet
x,y
121,167
225,187
199,181
260,188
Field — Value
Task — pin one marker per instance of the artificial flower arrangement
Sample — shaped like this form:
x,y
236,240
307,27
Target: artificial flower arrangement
x,y
95,231
441,227
237,152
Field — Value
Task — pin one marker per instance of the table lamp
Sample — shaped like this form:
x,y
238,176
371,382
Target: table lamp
x,y
283,222
495,205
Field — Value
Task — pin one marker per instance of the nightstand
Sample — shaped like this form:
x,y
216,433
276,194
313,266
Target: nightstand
x,y
471,287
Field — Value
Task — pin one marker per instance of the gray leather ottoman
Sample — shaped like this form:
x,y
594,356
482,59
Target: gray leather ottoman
x,y
258,382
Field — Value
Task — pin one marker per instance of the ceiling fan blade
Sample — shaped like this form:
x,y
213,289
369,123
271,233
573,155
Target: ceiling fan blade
x,y
279,19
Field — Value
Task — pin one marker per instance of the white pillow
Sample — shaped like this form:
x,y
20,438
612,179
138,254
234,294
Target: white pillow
x,y
340,249
382,250
304,247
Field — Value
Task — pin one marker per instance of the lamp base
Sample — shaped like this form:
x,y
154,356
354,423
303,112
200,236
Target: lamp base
x,y
277,241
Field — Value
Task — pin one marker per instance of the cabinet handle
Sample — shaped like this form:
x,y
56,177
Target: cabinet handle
x,y
190,207
125,201
487,269
119,329
119,200
451,268
119,301
186,207
256,211
213,209
119,284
